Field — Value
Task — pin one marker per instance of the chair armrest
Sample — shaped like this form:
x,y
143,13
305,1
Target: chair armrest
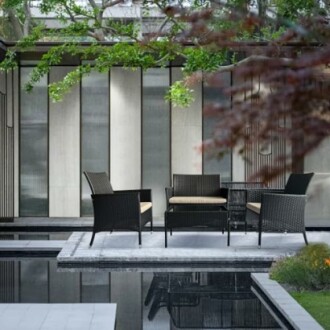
x,y
255,194
169,191
284,212
116,206
145,194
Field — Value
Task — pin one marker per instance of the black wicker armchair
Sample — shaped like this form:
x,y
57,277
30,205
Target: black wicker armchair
x,y
123,209
278,210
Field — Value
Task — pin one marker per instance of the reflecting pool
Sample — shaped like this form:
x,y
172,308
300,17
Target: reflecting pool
x,y
145,300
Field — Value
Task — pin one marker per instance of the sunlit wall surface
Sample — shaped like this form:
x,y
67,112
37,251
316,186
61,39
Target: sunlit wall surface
x,y
156,136
125,132
186,131
33,148
94,131
64,150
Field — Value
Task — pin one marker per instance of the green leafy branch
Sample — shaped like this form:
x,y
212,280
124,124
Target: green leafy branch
x,y
180,94
58,89
203,59
52,57
25,44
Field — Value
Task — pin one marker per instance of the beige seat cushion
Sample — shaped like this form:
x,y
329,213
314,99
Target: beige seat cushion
x,y
145,206
197,200
255,207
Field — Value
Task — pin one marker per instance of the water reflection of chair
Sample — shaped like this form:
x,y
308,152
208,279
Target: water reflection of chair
x,y
208,300
158,293
223,311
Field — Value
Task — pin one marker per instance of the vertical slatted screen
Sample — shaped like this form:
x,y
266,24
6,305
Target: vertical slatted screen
x,y
6,163
260,155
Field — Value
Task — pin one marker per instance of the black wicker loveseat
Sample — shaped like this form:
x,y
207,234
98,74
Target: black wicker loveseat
x,y
121,209
195,200
279,210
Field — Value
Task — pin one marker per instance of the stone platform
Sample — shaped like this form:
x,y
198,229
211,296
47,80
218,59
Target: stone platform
x,y
196,250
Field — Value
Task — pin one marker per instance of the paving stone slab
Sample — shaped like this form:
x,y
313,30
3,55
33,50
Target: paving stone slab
x,y
57,316
35,245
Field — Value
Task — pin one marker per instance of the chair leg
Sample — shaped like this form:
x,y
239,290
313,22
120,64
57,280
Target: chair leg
x,y
165,229
140,238
228,233
305,238
160,300
92,240
165,237
259,232
150,292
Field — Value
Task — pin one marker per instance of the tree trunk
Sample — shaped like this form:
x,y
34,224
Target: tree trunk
x,y
17,27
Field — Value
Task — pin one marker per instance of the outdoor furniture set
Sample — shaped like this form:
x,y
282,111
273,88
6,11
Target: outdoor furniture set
x,y
201,201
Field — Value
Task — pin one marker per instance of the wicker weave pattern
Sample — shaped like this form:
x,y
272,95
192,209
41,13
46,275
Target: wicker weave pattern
x,y
117,209
99,182
255,195
283,213
196,185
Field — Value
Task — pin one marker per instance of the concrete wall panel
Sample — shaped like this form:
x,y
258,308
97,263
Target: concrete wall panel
x,y
125,128
187,133
64,155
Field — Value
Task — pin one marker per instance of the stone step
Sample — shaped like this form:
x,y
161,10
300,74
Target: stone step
x,y
58,316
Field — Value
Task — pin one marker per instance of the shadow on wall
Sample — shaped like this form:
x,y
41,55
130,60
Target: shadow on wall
x,y
317,213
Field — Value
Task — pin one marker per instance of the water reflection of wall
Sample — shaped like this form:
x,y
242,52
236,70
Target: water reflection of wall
x,y
6,154
38,281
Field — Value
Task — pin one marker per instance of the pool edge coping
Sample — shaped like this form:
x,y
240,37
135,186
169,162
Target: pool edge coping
x,y
294,313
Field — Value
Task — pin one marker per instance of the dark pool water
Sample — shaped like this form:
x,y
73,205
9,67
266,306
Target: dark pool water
x,y
145,300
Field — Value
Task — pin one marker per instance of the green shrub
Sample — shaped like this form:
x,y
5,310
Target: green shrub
x,y
309,269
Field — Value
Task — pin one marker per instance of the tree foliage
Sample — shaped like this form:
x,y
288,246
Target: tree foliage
x,y
278,51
